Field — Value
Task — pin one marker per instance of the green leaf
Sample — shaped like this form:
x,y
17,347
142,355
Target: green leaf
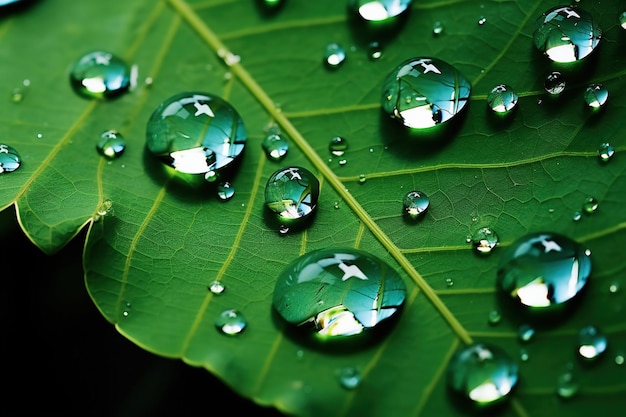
x,y
149,261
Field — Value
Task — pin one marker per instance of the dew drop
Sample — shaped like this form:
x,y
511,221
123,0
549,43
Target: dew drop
x,y
554,83
494,317
437,28
100,75
216,287
619,359
283,230
225,191
590,205
523,355
614,287
343,162
525,333
211,176
381,11
424,92
338,146
606,152
502,99
335,293
482,20
9,159
105,209
566,34
291,194
19,92
349,378
577,216
543,270
111,144
482,373
231,322
374,50
596,96
362,178
415,203
275,146
567,385
591,343
449,282
484,240
196,133
334,55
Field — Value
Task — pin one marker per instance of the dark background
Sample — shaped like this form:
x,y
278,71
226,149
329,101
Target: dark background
x,y
62,358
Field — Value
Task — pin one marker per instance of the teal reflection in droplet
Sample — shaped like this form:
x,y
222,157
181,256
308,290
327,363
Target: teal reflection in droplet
x,y
291,193
111,144
502,99
100,75
591,342
596,96
9,159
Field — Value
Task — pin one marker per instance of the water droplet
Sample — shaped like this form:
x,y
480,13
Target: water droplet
x,y
566,34
482,20
437,28
484,240
338,146
494,317
606,152
566,386
525,332
523,355
105,209
275,146
577,216
554,83
590,205
543,270
291,194
349,377
111,144
225,191
100,75
231,322
362,178
415,203
283,230
382,11
502,99
619,359
337,292
374,50
9,159
334,55
336,205
591,342
449,282
424,92
19,92
196,133
216,287
127,308
596,96
211,176
482,373
622,20
343,162
614,287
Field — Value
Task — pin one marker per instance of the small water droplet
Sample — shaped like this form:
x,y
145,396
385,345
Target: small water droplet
x,y
415,203
19,92
554,83
334,55
9,159
590,205
111,144
566,386
482,20
225,191
502,99
275,146
374,50
614,287
525,333
437,28
596,96
543,270
482,373
283,230
291,193
211,176
343,162
566,34
338,146
606,152
231,322
216,287
619,359
591,342
449,282
349,378
523,355
577,216
127,308
39,135
494,317
484,240
622,20
380,11
100,75
105,209
336,205
362,178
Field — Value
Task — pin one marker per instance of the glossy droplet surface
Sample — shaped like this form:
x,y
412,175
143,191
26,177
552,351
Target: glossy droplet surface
x,y
543,270
225,191
291,193
349,378
494,317
482,373
596,96
424,92
437,28
379,10
484,240
622,20
525,332
111,144
566,385
338,146
590,205
502,99
554,83
591,343
566,34
196,133
231,322
374,50
606,152
338,292
217,287
275,146
334,55
9,159
100,75
415,203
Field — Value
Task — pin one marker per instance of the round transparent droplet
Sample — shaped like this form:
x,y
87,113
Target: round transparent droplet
x,y
525,332
614,287
382,11
502,99
424,92
482,373
566,385
217,287
591,343
362,178
196,133
100,75
334,55
619,359
590,205
596,96
349,378
494,317
338,146
415,203
335,293
10,160
105,209
275,146
374,50
566,34
449,282
577,216
482,20
231,322
543,270
484,240
606,152
554,83
225,191
292,193
437,28
111,144
523,355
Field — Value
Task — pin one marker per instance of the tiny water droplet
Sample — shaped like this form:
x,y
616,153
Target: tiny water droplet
x,y
566,34
275,146
449,282
336,205
619,359
216,287
590,205
614,287
494,317
211,176
374,50
502,99
484,240
482,20
105,209
39,135
362,178
566,386
111,144
525,333
225,191
606,152
381,11
554,83
596,96
100,75
283,230
523,355
9,159
415,203
334,55
292,193
231,322
338,146
19,92
577,216
127,308
591,342
349,378
343,162
437,28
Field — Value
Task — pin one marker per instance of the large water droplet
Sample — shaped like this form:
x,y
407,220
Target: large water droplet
x,y
9,159
566,34
596,96
196,133
606,152
111,144
334,55
543,270
415,203
591,343
291,194
482,374
337,292
424,92
382,11
275,146
484,240
502,99
100,75
554,83
231,322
